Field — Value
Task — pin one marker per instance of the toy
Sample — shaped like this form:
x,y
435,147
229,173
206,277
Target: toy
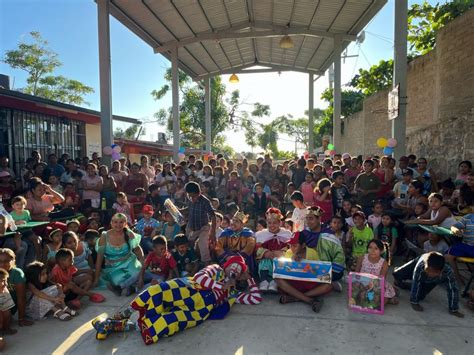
x,y
105,326
304,270
366,293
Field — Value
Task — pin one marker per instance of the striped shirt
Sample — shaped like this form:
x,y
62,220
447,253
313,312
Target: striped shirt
x,y
467,225
212,278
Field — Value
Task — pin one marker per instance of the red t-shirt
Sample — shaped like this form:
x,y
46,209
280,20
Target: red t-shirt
x,y
62,277
162,265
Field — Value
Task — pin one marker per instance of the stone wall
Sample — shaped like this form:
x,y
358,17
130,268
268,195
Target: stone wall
x,y
440,108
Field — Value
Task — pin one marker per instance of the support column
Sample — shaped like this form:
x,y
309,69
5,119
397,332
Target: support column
x,y
310,114
207,102
105,76
399,125
336,118
175,94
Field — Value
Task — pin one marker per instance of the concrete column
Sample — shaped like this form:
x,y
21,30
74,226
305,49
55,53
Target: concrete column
x,y
207,101
399,125
105,76
310,114
175,93
336,118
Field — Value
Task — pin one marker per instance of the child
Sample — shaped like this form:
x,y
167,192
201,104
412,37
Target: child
x,y
337,223
299,212
159,265
323,199
51,247
90,237
93,223
53,181
92,185
400,190
359,236
373,263
259,201
63,273
180,193
71,197
6,304
261,225
307,188
376,217
225,222
219,218
426,272
122,206
145,228
215,203
170,228
436,243
185,256
234,183
387,233
287,204
289,224
44,296
339,191
73,226
19,213
153,198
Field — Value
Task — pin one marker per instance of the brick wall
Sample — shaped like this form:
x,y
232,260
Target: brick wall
x,y
440,109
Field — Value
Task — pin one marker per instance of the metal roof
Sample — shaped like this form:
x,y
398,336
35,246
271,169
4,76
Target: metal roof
x,y
225,36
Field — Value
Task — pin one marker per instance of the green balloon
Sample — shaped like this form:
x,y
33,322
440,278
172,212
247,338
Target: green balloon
x,y
331,146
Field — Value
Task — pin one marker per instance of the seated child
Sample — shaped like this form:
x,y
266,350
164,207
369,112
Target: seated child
x,y
388,234
261,225
93,223
82,259
185,256
159,265
436,243
219,219
170,229
145,228
51,247
63,273
464,247
426,272
90,237
6,304
43,296
122,206
71,198
73,225
336,225
375,218
373,263
299,212
359,237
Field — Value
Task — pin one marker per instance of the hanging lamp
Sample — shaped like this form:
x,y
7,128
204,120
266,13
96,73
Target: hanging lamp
x,y
234,79
286,42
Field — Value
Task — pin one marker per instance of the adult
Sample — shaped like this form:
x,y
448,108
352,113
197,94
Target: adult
x,y
7,188
16,285
324,147
118,175
67,176
437,214
4,167
466,195
366,186
166,181
403,167
299,172
272,242
134,180
42,200
426,176
92,185
123,165
351,173
146,169
323,245
36,156
119,257
53,168
108,186
200,213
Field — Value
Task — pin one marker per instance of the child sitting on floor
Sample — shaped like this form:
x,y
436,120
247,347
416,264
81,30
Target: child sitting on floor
x,y
359,237
145,228
159,265
6,304
51,247
373,263
44,297
90,237
185,257
170,229
388,234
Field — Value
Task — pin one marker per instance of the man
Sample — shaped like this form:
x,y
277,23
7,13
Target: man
x,y
426,272
200,212
403,167
366,186
53,168
346,159
324,246
4,162
324,147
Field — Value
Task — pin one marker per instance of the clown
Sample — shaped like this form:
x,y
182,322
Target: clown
x,y
272,242
237,240
172,306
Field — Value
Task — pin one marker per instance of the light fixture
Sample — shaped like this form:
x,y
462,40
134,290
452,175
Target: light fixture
x,y
286,42
234,79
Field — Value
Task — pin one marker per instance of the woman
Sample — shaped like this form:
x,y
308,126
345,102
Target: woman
x,y
466,195
464,169
92,184
351,173
42,200
16,284
71,167
134,180
108,186
118,249
426,176
146,169
165,182
118,175
386,176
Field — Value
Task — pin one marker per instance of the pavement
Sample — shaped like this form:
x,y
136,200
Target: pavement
x,y
269,328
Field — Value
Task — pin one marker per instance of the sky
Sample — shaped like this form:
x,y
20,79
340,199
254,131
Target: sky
x,y
70,26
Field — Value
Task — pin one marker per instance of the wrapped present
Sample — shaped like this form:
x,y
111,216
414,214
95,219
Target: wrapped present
x,y
174,211
366,293
304,270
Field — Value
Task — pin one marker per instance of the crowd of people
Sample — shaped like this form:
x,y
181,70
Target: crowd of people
x,y
80,225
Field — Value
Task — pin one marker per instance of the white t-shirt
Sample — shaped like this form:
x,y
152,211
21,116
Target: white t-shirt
x,y
164,191
298,218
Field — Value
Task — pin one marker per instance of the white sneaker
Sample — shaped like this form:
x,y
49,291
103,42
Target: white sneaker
x,y
336,285
273,287
263,285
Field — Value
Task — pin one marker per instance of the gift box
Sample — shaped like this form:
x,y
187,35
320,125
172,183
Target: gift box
x,y
366,293
304,270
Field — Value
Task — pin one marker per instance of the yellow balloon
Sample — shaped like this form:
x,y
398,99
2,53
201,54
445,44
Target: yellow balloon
x,y
382,142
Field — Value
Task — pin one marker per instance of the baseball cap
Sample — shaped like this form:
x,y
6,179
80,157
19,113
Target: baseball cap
x,y
147,209
346,156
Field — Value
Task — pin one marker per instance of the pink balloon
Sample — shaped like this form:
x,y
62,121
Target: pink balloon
x,y
107,150
332,152
117,149
392,142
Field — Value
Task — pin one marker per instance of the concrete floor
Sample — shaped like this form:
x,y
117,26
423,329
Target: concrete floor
x,y
270,328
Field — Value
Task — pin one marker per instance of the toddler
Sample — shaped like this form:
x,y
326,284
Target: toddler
x,y
145,228
82,259
122,206
376,217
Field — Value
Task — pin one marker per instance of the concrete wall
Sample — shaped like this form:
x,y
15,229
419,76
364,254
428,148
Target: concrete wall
x,y
93,139
440,109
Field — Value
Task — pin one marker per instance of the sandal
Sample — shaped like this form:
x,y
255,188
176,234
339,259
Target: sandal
x,y
287,299
61,315
97,298
70,311
317,304
76,304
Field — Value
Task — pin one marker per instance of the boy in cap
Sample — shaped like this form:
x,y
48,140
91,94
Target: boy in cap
x,y
145,228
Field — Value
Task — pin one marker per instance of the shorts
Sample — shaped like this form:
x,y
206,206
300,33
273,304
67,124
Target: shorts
x,y
461,249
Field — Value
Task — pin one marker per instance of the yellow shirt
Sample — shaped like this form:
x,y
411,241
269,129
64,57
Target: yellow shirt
x,y
311,254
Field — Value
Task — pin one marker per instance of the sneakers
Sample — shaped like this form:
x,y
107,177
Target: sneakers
x,y
273,287
263,285
336,286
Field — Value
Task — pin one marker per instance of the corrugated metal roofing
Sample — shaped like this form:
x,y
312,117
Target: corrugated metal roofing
x,y
222,36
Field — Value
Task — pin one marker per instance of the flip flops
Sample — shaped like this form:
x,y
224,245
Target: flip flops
x,y
62,315
76,304
96,298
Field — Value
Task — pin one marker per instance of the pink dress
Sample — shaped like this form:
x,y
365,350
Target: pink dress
x,y
375,269
307,191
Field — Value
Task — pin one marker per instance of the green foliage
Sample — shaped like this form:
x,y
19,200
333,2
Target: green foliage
x,y
425,21
376,78
298,128
130,132
40,62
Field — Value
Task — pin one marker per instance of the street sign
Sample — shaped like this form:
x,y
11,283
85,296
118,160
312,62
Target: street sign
x,y
393,102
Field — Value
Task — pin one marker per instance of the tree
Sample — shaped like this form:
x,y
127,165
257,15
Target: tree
x,y
40,62
298,128
425,21
132,132
376,78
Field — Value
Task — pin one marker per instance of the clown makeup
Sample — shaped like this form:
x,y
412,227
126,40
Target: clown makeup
x,y
233,271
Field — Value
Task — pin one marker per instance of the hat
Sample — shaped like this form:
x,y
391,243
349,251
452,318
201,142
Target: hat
x,y
315,211
241,216
147,209
236,259
403,158
346,156
295,239
73,221
274,213
4,174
